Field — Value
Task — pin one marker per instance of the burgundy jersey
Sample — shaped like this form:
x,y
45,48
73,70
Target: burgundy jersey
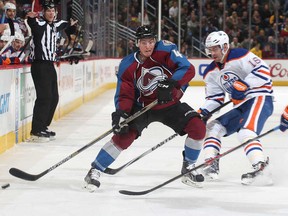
x,y
137,82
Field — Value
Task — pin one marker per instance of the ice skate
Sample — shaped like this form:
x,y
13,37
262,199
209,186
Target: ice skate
x,y
192,178
52,134
211,171
41,136
261,175
92,180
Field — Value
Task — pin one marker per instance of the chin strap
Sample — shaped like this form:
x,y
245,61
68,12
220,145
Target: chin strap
x,y
224,54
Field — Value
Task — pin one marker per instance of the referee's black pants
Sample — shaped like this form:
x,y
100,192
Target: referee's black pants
x,y
45,81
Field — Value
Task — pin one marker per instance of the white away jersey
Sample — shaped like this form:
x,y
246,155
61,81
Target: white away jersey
x,y
240,64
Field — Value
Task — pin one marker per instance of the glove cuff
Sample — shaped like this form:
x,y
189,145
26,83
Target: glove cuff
x,y
285,113
203,112
240,85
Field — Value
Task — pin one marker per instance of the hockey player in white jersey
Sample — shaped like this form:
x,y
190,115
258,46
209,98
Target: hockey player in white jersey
x,y
284,120
246,79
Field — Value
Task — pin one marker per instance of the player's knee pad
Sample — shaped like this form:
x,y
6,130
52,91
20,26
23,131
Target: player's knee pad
x,y
195,129
215,129
123,141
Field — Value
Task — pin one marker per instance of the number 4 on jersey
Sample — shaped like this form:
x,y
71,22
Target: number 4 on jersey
x,y
177,53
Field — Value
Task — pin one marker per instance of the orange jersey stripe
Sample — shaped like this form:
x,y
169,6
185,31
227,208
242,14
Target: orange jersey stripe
x,y
266,87
252,124
265,72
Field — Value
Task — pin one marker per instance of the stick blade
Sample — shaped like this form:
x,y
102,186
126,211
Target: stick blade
x,y
89,46
110,171
23,175
135,193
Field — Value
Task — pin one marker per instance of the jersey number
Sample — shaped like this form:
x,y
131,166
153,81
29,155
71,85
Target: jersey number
x,y
254,61
177,53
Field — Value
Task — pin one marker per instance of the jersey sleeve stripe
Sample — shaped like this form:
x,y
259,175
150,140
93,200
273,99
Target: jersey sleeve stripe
x,y
261,77
265,72
215,96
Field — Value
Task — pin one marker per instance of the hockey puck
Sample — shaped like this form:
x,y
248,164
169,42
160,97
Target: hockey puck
x,y
5,186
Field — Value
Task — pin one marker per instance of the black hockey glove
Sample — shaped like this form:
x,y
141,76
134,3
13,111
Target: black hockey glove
x,y
165,88
117,117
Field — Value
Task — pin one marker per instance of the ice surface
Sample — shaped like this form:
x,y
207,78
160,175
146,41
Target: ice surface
x,y
60,191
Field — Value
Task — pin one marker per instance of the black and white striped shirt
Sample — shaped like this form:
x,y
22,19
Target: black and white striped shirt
x,y
44,37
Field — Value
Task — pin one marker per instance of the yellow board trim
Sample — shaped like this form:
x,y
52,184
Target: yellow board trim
x,y
8,140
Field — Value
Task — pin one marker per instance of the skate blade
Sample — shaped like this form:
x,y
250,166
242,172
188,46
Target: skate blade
x,y
36,139
260,180
211,177
52,138
190,183
90,187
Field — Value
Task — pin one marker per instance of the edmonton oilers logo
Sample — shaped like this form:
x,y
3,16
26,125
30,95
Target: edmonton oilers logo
x,y
227,79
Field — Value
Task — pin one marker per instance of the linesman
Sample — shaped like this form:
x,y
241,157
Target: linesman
x,y
43,55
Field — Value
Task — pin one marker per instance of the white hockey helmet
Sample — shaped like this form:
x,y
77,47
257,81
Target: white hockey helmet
x,y
216,38
9,6
19,36
5,38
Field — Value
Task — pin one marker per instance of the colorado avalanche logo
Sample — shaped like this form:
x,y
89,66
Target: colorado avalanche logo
x,y
149,78
227,79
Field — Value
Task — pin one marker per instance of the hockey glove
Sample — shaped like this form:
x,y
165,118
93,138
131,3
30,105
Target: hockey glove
x,y
239,90
165,88
117,117
6,61
284,120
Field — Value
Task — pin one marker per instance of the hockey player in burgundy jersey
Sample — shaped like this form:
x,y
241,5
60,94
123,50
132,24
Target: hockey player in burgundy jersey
x,y
246,79
156,71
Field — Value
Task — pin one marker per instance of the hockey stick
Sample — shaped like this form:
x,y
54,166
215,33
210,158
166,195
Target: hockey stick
x,y
68,51
30,177
25,46
205,118
85,52
111,171
7,44
206,163
114,171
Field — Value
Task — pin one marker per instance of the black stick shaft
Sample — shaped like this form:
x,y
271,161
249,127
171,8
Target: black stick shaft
x,y
114,171
205,118
25,46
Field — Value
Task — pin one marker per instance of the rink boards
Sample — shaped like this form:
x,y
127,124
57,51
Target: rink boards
x,y
77,83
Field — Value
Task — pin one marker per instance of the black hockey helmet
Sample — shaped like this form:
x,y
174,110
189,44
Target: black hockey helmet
x,y
144,31
49,4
